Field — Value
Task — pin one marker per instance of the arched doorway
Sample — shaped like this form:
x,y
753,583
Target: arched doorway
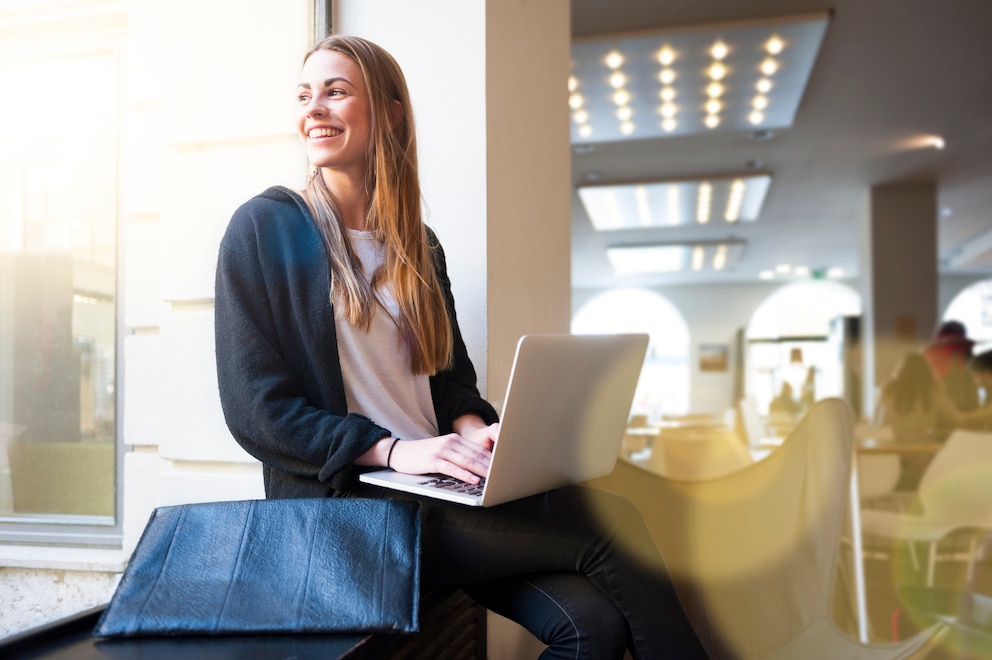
x,y
791,338
973,308
664,385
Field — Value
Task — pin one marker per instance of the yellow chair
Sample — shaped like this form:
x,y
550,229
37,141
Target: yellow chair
x,y
754,553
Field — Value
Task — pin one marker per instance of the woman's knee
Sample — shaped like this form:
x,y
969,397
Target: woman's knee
x,y
563,610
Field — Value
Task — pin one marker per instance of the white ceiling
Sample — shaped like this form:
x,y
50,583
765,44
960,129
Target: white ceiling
x,y
889,73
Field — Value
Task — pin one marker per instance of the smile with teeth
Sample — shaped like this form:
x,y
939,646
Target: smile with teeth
x,y
323,132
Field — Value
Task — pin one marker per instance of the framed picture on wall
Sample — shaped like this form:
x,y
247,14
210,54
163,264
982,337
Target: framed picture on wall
x,y
713,357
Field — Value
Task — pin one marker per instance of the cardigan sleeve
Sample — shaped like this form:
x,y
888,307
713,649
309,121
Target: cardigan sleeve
x,y
454,391
280,385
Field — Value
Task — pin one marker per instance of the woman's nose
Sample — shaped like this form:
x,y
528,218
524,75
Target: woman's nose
x,y
315,108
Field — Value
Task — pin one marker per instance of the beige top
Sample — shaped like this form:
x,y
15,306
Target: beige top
x,y
375,365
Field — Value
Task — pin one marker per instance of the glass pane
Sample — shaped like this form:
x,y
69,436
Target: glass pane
x,y
58,220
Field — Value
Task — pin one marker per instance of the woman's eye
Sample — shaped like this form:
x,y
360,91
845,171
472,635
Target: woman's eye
x,y
303,98
335,92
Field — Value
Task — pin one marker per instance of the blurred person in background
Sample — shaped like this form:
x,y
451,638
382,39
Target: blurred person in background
x,y
948,354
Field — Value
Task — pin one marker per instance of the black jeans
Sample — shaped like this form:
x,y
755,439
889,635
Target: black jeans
x,y
574,566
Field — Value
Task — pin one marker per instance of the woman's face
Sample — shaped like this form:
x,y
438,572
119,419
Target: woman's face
x,y
335,117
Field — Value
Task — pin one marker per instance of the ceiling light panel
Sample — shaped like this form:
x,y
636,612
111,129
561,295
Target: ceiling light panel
x,y
652,204
692,80
629,260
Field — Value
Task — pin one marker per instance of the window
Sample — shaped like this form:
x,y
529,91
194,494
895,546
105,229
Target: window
x,y
664,385
59,172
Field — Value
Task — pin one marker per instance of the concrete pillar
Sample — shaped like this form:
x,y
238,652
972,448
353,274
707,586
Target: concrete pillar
x,y
899,278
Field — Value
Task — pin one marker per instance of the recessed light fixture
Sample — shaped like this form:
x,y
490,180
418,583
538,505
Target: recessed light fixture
x,y
621,97
937,142
787,270
729,198
772,60
717,71
675,257
617,79
666,56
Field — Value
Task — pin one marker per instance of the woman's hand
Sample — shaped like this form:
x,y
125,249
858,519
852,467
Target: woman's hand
x,y
452,454
473,429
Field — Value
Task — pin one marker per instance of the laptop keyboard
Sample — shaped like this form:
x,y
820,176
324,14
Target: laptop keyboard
x,y
455,485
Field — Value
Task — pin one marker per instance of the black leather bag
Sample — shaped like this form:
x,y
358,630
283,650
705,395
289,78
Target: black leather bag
x,y
271,566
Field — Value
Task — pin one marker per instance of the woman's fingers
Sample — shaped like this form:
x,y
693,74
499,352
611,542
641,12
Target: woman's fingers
x,y
450,454
462,459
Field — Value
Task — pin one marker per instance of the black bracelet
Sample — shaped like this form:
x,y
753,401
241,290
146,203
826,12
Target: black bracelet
x,y
390,454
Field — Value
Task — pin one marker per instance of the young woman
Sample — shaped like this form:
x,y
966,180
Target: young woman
x,y
338,348
914,405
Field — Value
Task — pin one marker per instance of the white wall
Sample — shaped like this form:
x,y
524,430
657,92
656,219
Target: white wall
x,y
210,122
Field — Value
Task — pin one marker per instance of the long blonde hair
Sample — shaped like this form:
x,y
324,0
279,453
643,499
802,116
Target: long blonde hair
x,y
393,216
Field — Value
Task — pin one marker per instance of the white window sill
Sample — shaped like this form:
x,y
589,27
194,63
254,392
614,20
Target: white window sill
x,y
97,560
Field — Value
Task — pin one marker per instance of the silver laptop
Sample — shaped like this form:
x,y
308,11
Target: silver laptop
x,y
564,414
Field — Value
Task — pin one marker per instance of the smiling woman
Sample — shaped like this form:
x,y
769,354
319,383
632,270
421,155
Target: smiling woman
x,y
318,392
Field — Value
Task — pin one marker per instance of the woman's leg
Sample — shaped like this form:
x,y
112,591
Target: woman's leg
x,y
573,529
563,610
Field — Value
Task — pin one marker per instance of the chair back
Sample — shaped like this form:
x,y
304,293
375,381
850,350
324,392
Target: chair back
x,y
957,485
749,420
754,553
878,474
702,453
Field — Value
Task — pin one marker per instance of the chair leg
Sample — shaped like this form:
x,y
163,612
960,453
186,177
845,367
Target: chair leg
x,y
912,555
972,560
931,563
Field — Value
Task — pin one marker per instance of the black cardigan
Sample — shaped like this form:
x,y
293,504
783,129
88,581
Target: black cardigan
x,y
278,370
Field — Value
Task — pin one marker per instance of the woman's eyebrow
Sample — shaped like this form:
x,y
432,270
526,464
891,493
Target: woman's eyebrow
x,y
328,82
